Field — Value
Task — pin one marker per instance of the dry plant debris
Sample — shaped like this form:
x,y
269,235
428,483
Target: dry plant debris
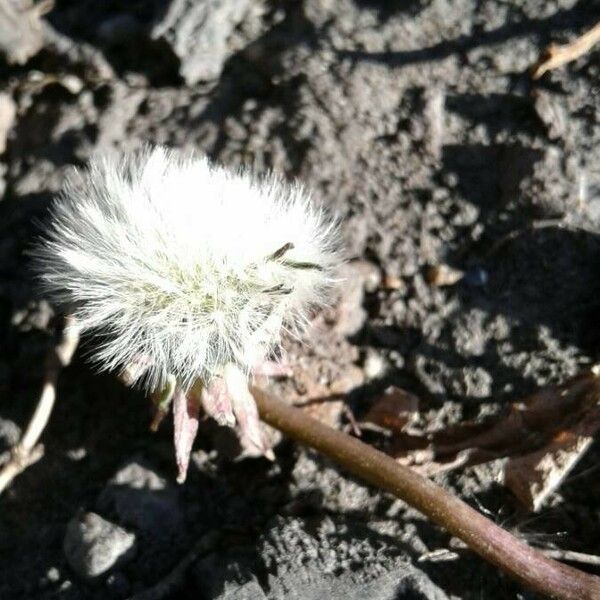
x,y
443,275
28,451
498,546
393,410
558,55
544,437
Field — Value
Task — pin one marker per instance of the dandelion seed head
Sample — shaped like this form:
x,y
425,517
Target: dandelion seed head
x,y
184,266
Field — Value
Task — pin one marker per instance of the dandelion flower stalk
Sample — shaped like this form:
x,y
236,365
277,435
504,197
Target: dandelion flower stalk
x,y
187,274
490,541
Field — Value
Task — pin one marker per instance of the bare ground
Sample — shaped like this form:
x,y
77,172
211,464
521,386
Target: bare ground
x,y
418,125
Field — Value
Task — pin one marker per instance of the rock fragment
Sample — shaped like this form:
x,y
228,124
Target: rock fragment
x,y
551,113
21,34
199,33
143,500
356,278
94,545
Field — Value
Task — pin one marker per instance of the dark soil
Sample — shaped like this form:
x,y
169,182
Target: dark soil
x,y
417,123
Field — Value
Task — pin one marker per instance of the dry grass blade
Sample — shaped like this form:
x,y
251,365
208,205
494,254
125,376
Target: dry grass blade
x,y
570,556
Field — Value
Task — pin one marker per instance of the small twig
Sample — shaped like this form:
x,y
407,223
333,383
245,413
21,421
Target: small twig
x,y
354,426
28,451
571,556
556,56
490,541
165,587
446,554
440,555
534,226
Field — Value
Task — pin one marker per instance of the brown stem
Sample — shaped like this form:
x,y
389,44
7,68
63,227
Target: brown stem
x,y
490,541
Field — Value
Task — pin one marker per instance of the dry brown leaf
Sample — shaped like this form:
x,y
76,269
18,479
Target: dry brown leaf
x,y
544,436
533,477
393,410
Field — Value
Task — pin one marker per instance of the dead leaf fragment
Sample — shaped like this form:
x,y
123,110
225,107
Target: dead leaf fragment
x,y
542,437
393,410
391,282
533,477
185,427
443,275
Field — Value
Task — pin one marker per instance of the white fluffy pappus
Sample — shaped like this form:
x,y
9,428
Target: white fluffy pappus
x,y
185,266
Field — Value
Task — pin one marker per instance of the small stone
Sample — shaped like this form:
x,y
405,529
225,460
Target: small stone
x,y
357,277
397,359
93,545
71,83
551,112
433,114
21,32
368,273
35,316
143,499
77,454
8,112
10,434
472,382
200,34
469,334
50,579
374,365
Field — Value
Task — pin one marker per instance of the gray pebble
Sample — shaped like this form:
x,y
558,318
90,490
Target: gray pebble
x,y
143,499
10,433
199,33
374,365
94,545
